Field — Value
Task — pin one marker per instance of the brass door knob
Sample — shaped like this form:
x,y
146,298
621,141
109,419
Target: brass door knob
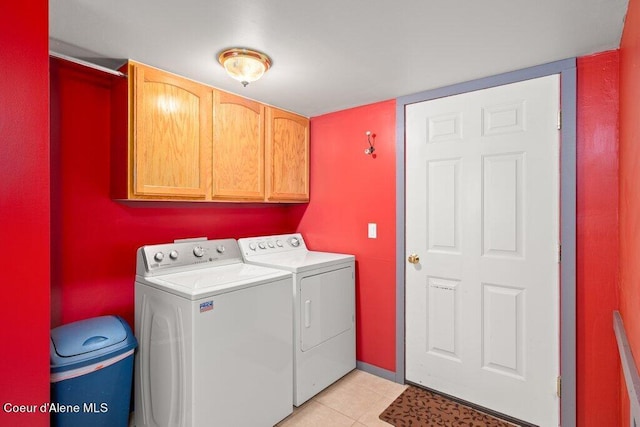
x,y
414,259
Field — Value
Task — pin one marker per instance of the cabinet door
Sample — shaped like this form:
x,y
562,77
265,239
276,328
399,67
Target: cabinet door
x,y
171,133
238,148
287,156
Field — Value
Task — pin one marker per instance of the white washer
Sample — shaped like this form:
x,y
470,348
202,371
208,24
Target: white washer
x,y
323,308
215,337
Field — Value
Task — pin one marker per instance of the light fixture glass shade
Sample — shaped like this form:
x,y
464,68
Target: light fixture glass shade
x,y
244,65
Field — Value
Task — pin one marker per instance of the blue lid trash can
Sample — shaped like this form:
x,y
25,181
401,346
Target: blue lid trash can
x,y
91,372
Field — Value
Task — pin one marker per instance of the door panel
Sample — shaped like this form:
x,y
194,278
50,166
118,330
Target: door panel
x,y
443,334
482,214
502,191
444,223
503,329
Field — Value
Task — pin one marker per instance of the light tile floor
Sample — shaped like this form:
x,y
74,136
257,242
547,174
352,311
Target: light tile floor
x,y
356,400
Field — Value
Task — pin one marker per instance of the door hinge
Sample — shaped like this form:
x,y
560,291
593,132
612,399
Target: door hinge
x,y
559,119
559,386
559,253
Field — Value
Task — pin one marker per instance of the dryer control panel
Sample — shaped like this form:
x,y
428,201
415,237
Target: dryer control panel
x,y
271,244
186,254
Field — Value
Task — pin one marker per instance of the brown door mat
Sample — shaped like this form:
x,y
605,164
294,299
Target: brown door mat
x,y
417,407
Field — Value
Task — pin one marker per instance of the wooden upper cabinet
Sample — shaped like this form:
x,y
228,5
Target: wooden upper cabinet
x,y
176,139
238,148
287,156
170,135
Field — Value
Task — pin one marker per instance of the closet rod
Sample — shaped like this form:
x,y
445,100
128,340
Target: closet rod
x,y
86,64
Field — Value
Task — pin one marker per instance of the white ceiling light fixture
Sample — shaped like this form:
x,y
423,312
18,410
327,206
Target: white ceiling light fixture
x,y
244,65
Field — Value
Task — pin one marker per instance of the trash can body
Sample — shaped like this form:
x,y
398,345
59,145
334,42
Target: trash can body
x,y
91,373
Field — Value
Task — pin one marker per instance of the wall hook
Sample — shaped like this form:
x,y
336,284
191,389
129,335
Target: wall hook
x,y
371,148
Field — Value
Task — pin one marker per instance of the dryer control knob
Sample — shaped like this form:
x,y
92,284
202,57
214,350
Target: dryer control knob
x,y
252,246
220,249
261,245
159,256
198,251
279,243
270,244
173,254
295,242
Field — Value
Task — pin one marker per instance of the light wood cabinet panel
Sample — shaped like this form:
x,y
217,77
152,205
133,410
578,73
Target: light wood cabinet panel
x,y
171,134
238,148
176,139
287,156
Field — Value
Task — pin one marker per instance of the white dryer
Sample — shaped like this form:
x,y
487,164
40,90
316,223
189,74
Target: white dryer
x,y
215,337
323,308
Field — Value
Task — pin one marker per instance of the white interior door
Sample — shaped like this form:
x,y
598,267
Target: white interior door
x,y
482,216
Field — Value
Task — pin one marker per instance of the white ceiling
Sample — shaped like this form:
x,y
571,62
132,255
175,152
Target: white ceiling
x,y
330,55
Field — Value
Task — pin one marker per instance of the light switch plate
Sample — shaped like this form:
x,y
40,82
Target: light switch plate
x,y
372,231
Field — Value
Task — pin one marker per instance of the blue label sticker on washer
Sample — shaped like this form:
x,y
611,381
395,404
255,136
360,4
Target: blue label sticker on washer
x,y
206,306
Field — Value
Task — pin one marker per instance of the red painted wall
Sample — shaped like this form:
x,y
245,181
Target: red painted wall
x,y
348,190
24,210
94,238
597,239
629,188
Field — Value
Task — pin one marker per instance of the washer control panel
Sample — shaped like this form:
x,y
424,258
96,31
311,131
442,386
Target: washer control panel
x,y
251,246
187,253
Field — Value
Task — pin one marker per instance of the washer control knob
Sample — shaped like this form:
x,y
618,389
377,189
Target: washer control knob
x,y
220,249
159,256
270,244
198,251
295,242
173,254
279,243
261,245
252,246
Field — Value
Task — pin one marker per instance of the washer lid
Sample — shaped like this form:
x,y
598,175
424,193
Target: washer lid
x,y
299,261
205,282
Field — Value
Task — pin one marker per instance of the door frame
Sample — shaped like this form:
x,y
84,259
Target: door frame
x,y
568,91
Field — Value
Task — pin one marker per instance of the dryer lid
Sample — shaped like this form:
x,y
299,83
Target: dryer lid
x,y
299,261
